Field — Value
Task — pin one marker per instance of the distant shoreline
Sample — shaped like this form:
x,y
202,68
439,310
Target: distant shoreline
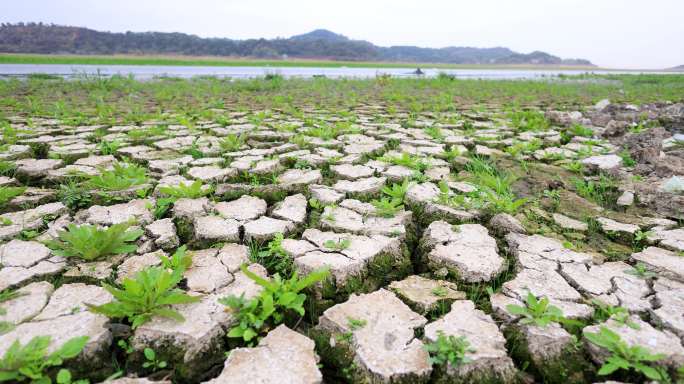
x,y
215,61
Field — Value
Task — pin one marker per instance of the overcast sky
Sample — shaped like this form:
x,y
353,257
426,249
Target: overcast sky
x,y
611,33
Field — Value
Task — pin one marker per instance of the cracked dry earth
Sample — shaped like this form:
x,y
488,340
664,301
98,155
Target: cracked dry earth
x,y
446,260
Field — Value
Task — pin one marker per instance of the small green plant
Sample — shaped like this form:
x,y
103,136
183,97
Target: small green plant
x,y
74,195
407,160
626,357
600,191
149,294
449,349
315,204
574,166
445,196
355,324
387,207
194,150
637,128
125,346
338,245
525,147
529,120
302,164
192,191
278,298
537,312
640,270
300,140
640,238
274,257
7,295
109,147
581,130
9,193
554,195
605,311
434,132
397,191
181,259
151,360
506,203
439,291
233,142
29,234
121,176
7,168
627,159
64,377
330,216
31,361
324,131
90,242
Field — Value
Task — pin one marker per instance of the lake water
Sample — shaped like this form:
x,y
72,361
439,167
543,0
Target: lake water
x,y
150,71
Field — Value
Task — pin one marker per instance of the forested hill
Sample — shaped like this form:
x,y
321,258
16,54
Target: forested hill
x,y
318,44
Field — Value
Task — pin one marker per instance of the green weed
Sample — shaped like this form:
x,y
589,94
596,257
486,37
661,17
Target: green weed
x,y
89,242
625,357
150,293
277,299
31,362
449,349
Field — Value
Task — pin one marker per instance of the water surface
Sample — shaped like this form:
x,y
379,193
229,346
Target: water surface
x,y
144,72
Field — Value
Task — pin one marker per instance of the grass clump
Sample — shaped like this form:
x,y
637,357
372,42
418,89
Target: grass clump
x,y
601,191
151,360
407,160
7,168
529,120
627,159
149,294
324,132
537,312
7,295
641,271
624,357
338,245
74,195
181,259
387,207
89,242
393,202
273,257
109,147
121,176
581,130
192,191
9,193
397,191
278,299
603,312
494,189
31,362
233,142
449,349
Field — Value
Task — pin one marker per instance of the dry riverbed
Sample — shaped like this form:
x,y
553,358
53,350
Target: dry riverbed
x,y
532,246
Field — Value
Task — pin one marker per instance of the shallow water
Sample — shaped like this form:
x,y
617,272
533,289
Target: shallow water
x,y
151,71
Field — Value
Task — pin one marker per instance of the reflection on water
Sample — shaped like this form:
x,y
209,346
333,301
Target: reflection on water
x,y
150,71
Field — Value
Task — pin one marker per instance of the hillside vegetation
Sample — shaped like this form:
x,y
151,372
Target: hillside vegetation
x,y
319,44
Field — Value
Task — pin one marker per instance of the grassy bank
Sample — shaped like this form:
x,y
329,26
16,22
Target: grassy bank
x,y
121,99
238,62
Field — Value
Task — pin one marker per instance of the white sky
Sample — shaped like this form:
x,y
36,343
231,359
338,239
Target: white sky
x,y
610,33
